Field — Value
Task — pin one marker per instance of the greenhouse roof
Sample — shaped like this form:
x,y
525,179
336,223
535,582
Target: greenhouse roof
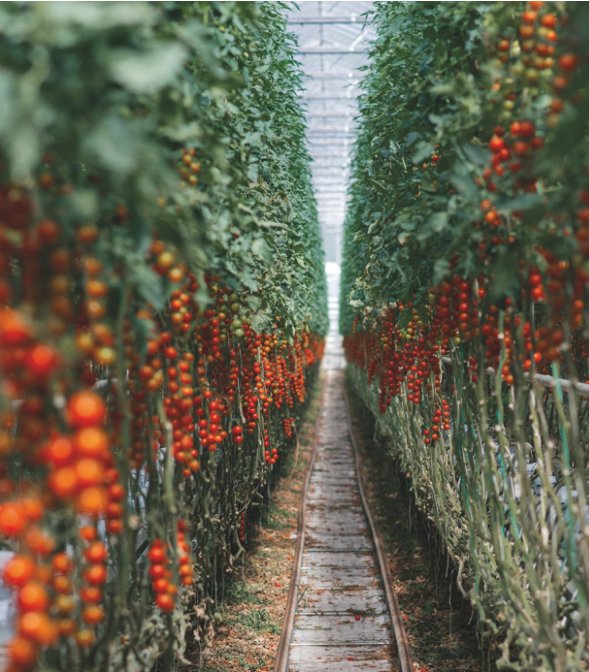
x,y
333,44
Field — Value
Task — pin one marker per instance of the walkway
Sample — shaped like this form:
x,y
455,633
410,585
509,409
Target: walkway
x,y
342,622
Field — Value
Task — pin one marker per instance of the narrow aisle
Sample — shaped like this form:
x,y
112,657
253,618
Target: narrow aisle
x,y
342,621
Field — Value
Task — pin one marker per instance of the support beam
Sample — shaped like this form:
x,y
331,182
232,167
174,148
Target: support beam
x,y
330,182
329,115
348,75
331,51
358,19
344,156
352,99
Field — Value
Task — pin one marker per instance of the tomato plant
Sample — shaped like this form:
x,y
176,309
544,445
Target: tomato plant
x,y
162,314
465,282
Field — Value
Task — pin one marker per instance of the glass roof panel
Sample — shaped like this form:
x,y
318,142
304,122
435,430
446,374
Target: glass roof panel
x,y
333,42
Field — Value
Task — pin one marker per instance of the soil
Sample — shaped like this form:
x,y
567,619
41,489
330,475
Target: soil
x,y
440,623
255,603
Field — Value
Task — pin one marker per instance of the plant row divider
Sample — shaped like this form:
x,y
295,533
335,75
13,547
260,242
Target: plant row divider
x,y
582,389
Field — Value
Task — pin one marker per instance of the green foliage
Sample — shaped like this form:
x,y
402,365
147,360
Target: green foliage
x,y
111,92
508,499
177,123
424,90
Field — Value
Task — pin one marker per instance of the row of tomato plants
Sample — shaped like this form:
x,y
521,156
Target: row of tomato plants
x,y
162,319
465,278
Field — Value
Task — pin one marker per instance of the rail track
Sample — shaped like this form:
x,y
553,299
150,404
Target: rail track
x,y
342,613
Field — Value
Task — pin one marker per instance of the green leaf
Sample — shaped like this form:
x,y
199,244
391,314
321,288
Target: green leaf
x,y
261,249
261,322
441,270
438,221
254,302
148,284
474,154
424,151
147,71
520,202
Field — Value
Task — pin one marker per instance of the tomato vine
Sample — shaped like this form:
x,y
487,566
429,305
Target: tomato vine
x,y
163,313
464,282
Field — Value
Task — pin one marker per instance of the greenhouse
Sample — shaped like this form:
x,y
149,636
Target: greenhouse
x,y
294,336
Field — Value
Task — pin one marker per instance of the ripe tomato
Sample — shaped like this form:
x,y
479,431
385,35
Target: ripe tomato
x,y
38,627
18,570
12,519
89,473
67,627
33,597
39,541
62,563
88,532
157,554
96,553
116,492
568,62
58,452
496,144
157,571
21,652
93,615
32,507
13,328
86,409
63,482
160,585
41,361
165,602
91,442
92,501
62,584
95,575
91,595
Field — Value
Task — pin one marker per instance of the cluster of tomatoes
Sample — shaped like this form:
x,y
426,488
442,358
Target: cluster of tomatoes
x,y
441,421
91,400
404,356
54,431
161,570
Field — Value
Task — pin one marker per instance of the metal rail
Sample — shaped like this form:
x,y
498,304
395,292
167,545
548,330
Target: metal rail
x,y
582,389
281,664
399,634
401,638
